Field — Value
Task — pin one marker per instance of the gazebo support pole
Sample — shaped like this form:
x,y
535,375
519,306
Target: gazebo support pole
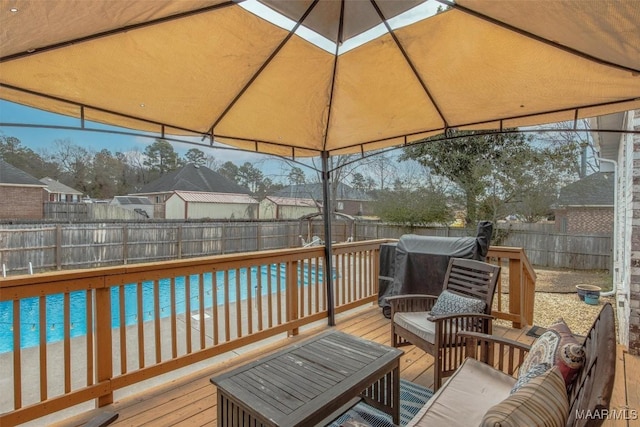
x,y
328,252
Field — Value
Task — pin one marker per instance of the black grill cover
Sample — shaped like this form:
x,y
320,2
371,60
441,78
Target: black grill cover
x,y
421,262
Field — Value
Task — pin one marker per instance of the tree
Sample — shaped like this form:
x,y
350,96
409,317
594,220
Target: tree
x,y
475,161
160,158
296,176
75,162
384,169
195,156
249,176
575,151
211,162
230,171
25,159
266,187
412,207
358,181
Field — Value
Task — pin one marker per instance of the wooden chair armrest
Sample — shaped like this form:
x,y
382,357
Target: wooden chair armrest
x,y
502,353
411,303
445,317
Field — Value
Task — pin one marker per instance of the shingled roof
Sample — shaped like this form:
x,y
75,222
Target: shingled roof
x,y
597,189
54,186
11,175
193,178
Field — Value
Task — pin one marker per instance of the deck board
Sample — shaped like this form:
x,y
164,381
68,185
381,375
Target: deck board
x,y
631,376
191,400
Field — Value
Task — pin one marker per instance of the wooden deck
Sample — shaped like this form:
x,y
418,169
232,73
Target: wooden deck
x,y
191,400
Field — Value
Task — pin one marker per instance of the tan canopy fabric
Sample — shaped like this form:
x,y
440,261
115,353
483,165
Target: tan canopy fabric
x,y
210,67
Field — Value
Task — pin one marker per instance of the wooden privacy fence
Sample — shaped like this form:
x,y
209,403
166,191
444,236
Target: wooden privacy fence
x,y
88,245
544,247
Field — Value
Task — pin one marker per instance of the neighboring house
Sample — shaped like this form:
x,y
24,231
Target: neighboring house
x,y
191,178
586,206
20,194
197,205
348,200
140,205
274,207
620,154
55,191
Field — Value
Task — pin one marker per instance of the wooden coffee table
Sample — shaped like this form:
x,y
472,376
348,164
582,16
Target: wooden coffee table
x,y
311,383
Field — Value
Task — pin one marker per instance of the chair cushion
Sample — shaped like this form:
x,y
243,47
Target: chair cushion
x,y
541,402
465,397
557,346
452,303
417,323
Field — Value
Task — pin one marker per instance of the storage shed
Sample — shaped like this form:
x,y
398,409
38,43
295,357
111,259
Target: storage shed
x,y
195,205
275,207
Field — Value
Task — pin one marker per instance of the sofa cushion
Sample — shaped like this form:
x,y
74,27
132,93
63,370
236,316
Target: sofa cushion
x,y
557,346
541,402
417,323
451,303
466,396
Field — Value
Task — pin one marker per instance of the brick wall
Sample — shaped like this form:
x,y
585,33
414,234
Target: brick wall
x,y
589,220
21,202
634,286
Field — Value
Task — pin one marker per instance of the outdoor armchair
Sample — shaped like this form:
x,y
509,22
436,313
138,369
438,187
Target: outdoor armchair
x,y
431,322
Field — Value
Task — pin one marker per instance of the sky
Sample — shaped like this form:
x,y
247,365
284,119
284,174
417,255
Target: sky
x,y
43,138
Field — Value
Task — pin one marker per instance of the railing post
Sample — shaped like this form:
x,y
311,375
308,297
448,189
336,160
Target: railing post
x,y
292,293
104,362
516,295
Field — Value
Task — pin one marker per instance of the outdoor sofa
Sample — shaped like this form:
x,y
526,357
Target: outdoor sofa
x,y
551,392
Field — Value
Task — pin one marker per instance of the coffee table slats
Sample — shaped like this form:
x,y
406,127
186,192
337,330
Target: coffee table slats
x,y
304,382
268,372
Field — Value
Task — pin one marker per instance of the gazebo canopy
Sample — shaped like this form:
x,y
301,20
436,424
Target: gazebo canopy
x,y
213,68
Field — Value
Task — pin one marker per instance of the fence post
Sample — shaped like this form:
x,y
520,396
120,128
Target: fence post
x,y
179,242
259,236
223,239
125,243
59,247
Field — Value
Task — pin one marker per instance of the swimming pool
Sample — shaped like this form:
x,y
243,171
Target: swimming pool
x,y
30,307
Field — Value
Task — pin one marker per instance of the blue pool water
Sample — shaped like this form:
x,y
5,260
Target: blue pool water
x,y
30,307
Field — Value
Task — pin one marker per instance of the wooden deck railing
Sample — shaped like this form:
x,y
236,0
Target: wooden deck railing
x,y
151,319
521,285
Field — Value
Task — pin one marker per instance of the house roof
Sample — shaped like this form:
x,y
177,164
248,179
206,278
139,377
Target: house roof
x,y
131,200
291,201
597,189
11,175
193,178
54,186
314,191
200,197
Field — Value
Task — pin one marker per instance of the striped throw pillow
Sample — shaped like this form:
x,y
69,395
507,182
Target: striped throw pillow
x,y
540,402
